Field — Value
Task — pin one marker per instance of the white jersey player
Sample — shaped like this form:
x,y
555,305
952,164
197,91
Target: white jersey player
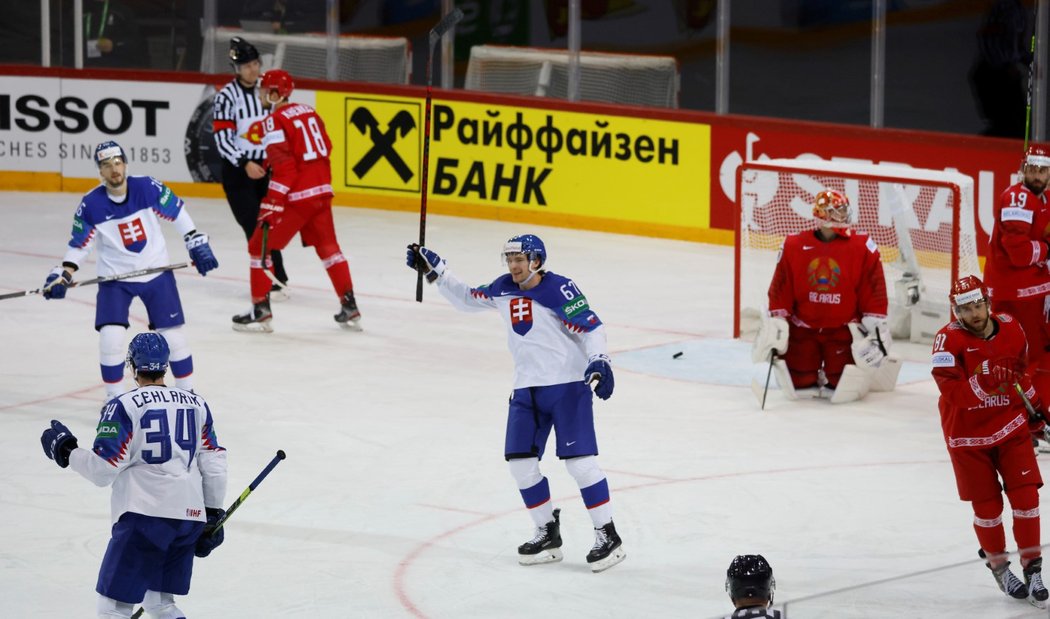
x,y
558,345
157,447
122,217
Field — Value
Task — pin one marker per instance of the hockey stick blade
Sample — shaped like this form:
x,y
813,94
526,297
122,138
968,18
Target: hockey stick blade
x,y
445,25
99,280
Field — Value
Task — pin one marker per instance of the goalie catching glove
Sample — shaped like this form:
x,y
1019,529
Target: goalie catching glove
x,y
772,338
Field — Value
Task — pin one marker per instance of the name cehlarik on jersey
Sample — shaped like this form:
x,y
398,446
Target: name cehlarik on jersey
x,y
167,397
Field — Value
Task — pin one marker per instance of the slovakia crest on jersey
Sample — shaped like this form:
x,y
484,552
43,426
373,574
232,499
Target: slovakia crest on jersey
x,y
133,234
521,315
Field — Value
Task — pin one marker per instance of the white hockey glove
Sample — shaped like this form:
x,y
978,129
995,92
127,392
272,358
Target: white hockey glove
x,y
881,326
866,350
772,337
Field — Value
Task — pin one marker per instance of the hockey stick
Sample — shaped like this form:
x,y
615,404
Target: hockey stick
x,y
1028,105
99,280
273,278
229,512
438,31
769,373
1033,415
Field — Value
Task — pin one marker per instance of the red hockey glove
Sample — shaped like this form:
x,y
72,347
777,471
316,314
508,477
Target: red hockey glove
x,y
271,212
996,374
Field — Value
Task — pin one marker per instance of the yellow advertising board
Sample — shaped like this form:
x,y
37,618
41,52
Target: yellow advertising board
x,y
543,166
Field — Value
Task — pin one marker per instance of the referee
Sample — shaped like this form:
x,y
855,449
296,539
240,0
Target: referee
x,y
238,117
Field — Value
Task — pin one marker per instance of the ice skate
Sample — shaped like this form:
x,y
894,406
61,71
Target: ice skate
x,y
545,547
349,317
1008,582
280,291
607,550
1033,579
258,320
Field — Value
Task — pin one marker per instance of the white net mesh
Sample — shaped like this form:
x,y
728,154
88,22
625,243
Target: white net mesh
x,y
610,78
386,60
919,218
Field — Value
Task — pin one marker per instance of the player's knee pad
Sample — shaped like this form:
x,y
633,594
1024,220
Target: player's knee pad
x,y
1024,501
108,608
161,605
988,512
177,344
585,470
111,345
526,471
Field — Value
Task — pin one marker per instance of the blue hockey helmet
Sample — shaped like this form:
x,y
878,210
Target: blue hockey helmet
x,y
148,352
108,150
528,244
750,576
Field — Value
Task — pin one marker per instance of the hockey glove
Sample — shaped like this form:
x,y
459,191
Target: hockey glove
x,y
599,369
878,330
210,538
55,284
994,375
422,259
58,442
200,251
270,212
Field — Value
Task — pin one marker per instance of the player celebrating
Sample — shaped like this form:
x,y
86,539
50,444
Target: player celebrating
x,y
557,343
123,216
825,281
750,584
979,365
238,115
1016,272
156,446
299,200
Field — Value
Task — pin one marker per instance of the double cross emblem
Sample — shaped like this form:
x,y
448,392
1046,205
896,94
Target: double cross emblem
x,y
382,141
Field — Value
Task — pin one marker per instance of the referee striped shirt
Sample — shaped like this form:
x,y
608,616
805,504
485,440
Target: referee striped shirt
x,y
237,123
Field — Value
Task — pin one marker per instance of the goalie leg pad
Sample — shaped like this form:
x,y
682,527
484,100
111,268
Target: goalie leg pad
x,y
783,376
884,377
853,385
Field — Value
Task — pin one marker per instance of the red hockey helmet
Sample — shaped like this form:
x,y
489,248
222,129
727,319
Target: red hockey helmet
x,y
967,289
1037,155
832,206
278,81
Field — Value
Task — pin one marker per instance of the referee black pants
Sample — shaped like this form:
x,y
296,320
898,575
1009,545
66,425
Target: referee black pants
x,y
244,195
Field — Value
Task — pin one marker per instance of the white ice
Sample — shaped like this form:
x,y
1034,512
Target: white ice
x,y
395,500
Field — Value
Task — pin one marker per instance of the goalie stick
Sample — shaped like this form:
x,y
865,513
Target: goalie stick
x,y
438,31
99,280
229,512
769,373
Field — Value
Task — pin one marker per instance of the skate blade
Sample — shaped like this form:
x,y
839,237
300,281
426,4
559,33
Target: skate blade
x,y
351,325
552,555
255,327
1037,603
616,556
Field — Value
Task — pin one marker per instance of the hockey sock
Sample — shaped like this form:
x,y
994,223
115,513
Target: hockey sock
x,y
594,488
534,488
1025,504
181,359
988,524
338,270
111,358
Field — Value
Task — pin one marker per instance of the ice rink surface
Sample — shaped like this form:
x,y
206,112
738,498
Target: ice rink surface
x,y
395,500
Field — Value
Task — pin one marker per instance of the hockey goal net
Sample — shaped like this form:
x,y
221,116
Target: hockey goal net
x,y
922,221
626,79
386,60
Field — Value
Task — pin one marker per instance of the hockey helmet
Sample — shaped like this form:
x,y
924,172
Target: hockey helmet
x,y
528,244
969,289
108,150
148,352
1037,155
833,207
750,576
279,81
242,51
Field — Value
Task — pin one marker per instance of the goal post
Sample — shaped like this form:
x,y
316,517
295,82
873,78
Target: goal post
x,y
921,219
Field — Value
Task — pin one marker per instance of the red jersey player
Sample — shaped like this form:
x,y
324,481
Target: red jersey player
x,y
824,280
299,199
1016,269
979,364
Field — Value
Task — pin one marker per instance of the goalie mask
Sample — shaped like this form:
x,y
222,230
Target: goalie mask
x,y
148,352
528,244
750,576
832,207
